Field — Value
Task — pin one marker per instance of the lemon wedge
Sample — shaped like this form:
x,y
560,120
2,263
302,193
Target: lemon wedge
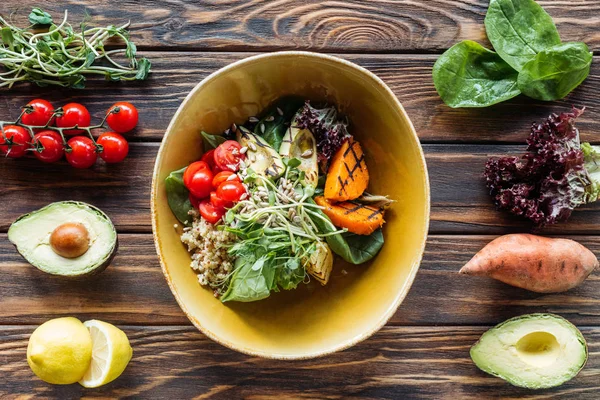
x,y
111,353
60,350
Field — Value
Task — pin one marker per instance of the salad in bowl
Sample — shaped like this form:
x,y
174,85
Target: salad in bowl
x,y
272,202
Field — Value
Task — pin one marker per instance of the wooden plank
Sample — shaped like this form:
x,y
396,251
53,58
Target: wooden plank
x,y
349,26
134,291
459,199
407,363
175,74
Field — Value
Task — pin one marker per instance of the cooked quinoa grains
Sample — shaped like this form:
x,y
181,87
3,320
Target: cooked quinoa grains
x,y
208,247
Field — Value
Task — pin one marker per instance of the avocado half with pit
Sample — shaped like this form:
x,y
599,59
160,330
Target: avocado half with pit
x,y
534,351
67,238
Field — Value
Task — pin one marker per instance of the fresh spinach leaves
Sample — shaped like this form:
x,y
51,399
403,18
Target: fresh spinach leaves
x,y
212,141
249,283
519,30
178,196
469,75
275,120
556,71
530,59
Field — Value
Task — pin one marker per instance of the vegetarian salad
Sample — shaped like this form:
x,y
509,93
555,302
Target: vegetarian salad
x,y
272,201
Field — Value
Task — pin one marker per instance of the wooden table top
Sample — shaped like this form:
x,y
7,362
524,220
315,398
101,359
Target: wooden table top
x,y
423,352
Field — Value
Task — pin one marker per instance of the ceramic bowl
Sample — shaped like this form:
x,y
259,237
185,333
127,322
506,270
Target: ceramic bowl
x,y
359,299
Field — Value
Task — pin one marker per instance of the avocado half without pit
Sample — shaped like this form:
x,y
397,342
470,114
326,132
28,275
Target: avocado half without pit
x,y
535,351
67,238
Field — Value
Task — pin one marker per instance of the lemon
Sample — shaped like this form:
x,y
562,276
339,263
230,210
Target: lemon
x,y
60,351
110,354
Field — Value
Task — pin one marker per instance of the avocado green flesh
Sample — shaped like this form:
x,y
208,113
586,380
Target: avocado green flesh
x,y
533,351
264,160
297,142
31,235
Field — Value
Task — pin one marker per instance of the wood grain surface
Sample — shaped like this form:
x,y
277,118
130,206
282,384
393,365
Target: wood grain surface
x,y
409,76
424,351
396,363
333,26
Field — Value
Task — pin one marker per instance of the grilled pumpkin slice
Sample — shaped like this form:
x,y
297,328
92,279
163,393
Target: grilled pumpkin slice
x,y
348,176
356,217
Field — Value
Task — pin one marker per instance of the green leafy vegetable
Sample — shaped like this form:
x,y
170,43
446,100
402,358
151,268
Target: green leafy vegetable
x,y
519,30
355,249
556,71
276,120
62,55
178,196
212,141
469,75
39,17
248,283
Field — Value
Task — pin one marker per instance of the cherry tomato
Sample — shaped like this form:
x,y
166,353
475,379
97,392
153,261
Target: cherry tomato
x,y
83,152
209,158
123,120
228,156
195,201
197,178
210,213
231,191
17,138
73,114
219,202
49,146
40,115
222,177
114,147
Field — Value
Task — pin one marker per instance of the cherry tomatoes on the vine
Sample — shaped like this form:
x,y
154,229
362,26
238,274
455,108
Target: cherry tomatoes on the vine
x,y
210,213
228,156
124,118
73,114
231,191
15,141
48,146
197,178
82,153
39,113
222,177
114,147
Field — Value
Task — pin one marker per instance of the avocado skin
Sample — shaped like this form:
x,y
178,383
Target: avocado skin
x,y
96,270
576,331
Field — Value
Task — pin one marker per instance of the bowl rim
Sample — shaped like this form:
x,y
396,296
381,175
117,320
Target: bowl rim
x,y
385,317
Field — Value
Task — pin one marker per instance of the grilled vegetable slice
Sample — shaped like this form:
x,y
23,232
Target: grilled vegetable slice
x,y
320,263
357,218
301,144
348,176
262,158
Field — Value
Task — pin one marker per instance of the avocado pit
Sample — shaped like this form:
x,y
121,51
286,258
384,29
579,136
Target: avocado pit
x,y
70,240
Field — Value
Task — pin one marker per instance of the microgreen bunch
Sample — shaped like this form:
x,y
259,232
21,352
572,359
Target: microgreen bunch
x,y
63,55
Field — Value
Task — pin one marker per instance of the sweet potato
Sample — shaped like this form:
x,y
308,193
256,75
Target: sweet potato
x,y
535,263
347,177
357,218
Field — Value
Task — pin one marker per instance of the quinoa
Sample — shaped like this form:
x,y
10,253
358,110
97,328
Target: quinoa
x,y
208,247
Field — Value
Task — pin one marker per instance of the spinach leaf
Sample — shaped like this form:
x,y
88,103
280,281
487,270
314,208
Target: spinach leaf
x,y
39,17
555,72
519,29
355,249
363,248
211,141
248,284
276,120
178,196
469,75
290,274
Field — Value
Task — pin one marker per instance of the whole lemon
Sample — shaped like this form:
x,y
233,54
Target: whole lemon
x,y
60,351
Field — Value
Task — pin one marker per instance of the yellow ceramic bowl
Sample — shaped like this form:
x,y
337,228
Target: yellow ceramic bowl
x,y
312,320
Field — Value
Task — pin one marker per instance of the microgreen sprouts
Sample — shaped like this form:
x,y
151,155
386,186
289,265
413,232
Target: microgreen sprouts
x,y
63,55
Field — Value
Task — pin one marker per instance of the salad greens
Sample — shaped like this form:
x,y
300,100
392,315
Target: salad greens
x,y
469,75
519,30
530,59
282,236
178,196
555,72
